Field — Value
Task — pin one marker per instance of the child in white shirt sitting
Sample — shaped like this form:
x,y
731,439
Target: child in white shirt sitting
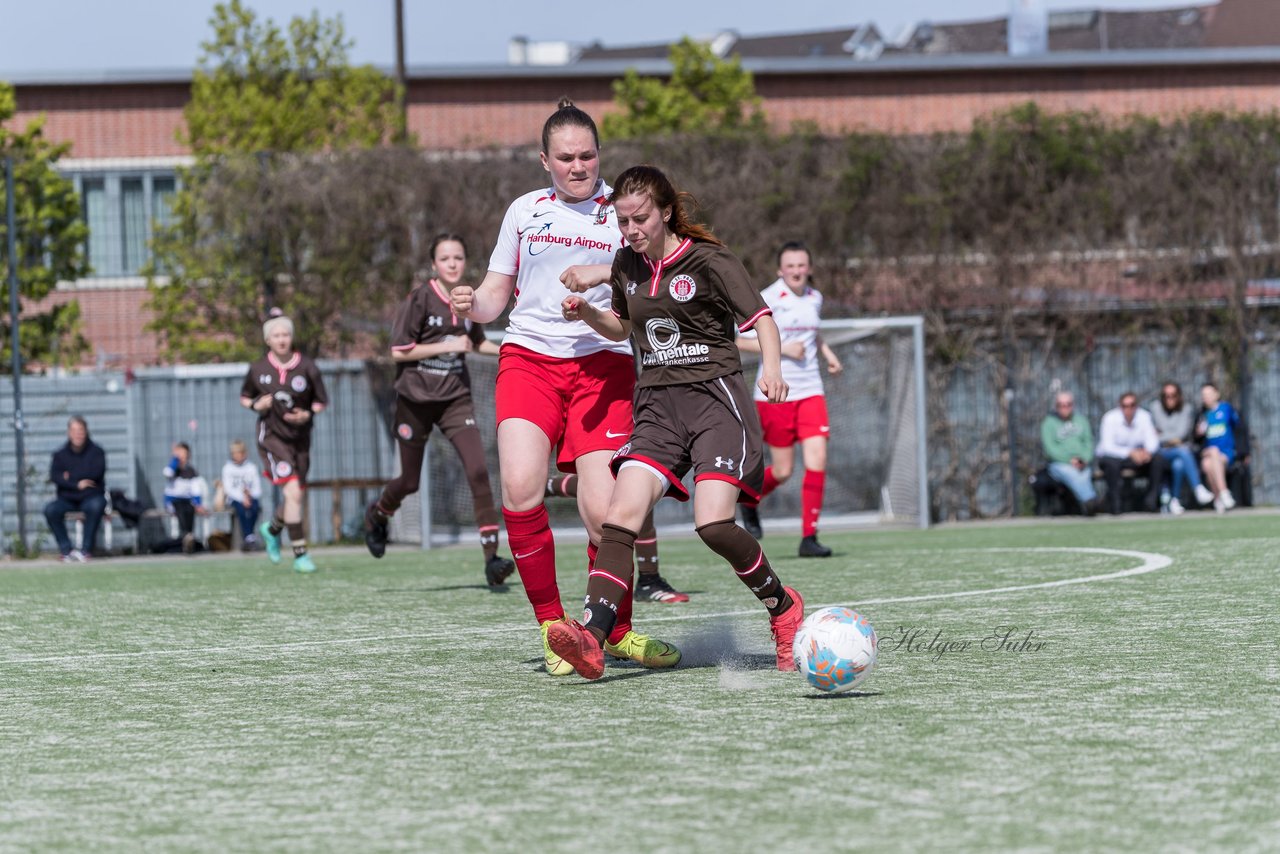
x,y
243,489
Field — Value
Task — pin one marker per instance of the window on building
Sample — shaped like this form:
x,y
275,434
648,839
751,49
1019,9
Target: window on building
x,y
122,211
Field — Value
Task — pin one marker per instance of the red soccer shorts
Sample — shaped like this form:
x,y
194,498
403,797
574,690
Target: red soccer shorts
x,y
794,421
582,404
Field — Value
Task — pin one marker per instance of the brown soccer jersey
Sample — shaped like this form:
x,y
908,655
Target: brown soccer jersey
x,y
425,317
684,311
295,384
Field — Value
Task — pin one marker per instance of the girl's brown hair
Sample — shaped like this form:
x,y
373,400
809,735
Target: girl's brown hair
x,y
650,181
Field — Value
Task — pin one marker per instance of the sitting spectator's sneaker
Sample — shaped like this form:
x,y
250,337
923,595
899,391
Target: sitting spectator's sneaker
x,y
556,665
303,563
644,650
751,521
577,647
375,531
1203,495
78,556
497,570
810,547
1218,506
1175,507
270,542
1228,500
656,589
784,627
250,543
188,543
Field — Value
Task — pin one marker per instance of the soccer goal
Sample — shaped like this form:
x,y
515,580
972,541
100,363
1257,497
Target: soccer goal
x,y
876,458
876,470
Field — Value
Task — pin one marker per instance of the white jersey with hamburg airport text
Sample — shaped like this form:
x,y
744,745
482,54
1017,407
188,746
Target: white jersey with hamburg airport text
x,y
541,237
797,319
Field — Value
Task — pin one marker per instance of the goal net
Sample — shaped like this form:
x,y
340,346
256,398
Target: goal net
x,y
876,470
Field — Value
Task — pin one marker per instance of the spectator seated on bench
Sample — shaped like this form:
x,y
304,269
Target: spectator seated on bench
x,y
1068,448
1224,439
240,490
77,471
184,494
1174,420
1127,440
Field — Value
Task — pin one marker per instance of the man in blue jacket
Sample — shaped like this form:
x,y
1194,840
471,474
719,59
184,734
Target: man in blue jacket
x,y
77,470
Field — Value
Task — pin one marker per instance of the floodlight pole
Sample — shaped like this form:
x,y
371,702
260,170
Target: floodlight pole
x,y
15,309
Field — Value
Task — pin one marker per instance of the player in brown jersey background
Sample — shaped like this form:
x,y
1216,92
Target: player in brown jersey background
x,y
286,391
429,344
683,296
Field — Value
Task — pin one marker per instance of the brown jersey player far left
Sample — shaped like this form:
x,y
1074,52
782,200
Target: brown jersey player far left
x,y
287,392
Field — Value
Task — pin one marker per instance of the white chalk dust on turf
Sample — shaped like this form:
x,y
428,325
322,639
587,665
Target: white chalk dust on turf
x,y
713,643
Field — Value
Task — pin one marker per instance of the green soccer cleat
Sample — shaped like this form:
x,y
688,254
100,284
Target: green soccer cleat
x,y
304,563
270,542
644,650
556,665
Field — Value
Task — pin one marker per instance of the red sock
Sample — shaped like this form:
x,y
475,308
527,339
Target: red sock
x,y
811,501
529,536
770,482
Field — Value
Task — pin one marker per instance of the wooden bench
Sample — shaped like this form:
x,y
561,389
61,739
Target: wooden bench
x,y
336,485
75,525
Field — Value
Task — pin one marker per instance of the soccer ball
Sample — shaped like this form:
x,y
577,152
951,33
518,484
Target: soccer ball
x,y
835,649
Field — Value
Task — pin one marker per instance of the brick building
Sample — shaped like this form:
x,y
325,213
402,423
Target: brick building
x,y
124,128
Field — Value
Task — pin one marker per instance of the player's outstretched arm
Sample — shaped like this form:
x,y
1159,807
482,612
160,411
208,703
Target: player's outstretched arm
x,y
486,300
606,323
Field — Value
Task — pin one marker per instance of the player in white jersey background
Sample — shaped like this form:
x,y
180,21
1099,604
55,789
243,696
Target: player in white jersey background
x,y
797,307
560,384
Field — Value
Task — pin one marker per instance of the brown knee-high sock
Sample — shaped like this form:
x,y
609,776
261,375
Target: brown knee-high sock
x,y
609,581
647,548
297,538
470,447
744,554
406,483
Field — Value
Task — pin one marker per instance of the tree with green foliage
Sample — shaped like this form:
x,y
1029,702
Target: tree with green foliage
x,y
50,239
704,94
260,99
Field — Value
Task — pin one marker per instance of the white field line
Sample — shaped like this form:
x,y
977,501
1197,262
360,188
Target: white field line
x,y
1150,562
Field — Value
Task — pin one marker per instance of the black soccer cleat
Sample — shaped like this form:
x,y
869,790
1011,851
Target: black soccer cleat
x,y
375,531
810,547
656,589
497,570
751,521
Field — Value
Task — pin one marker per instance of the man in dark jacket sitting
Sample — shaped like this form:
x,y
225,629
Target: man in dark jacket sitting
x,y
77,470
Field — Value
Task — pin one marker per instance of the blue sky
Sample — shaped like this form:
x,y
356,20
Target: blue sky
x,y
113,35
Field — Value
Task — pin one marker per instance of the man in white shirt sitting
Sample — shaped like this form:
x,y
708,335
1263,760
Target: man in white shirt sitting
x,y
1127,439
